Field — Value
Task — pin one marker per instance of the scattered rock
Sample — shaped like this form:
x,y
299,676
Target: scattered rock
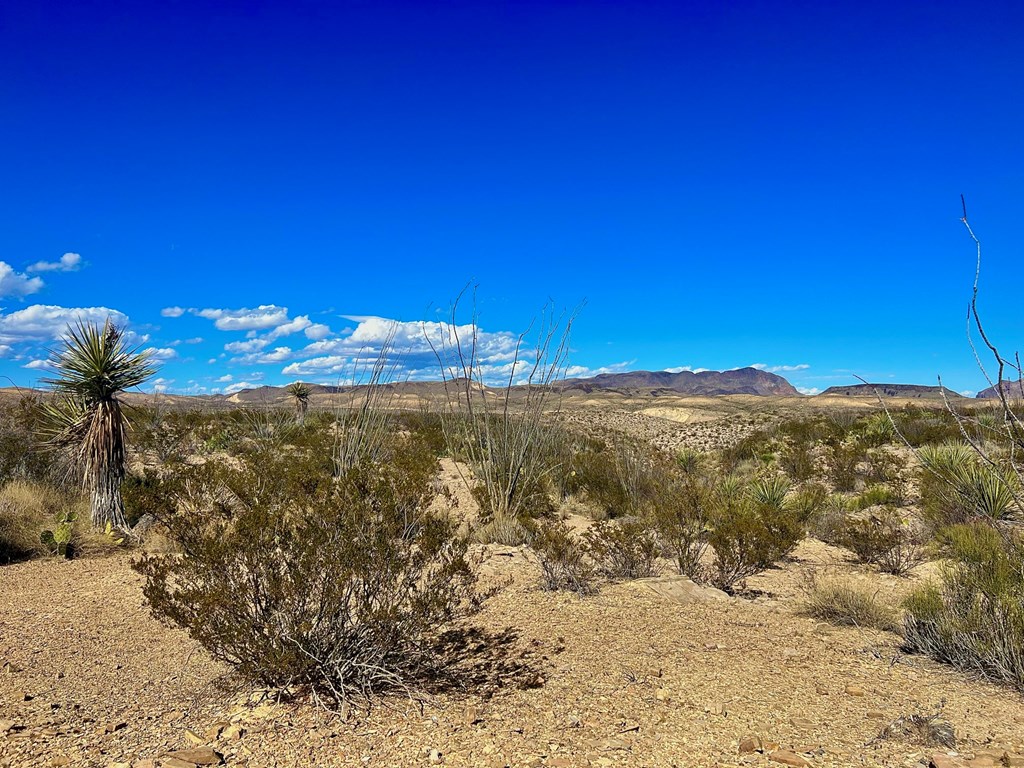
x,y
435,756
944,761
786,757
197,756
854,690
750,744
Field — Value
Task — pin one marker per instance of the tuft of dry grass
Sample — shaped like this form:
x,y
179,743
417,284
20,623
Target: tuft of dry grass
x,y
502,529
29,508
844,604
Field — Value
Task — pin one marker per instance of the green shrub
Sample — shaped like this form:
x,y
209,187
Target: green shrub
x,y
885,540
797,460
682,518
750,532
828,523
564,562
148,493
844,604
624,549
876,496
973,618
841,460
297,578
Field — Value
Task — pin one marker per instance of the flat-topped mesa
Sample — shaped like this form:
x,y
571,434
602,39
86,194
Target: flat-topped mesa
x,y
918,391
740,381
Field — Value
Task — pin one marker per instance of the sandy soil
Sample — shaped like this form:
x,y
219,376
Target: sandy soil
x,y
628,677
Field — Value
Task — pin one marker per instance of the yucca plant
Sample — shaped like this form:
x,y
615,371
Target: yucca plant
x,y
86,419
300,394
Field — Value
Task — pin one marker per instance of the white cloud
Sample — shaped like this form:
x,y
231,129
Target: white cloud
x,y
37,365
300,323
245,319
583,372
17,283
808,390
276,355
245,347
194,340
161,353
46,322
682,368
779,368
172,312
329,364
225,378
161,385
317,331
5,350
239,386
69,262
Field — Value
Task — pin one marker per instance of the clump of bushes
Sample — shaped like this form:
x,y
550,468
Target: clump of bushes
x,y
564,560
973,617
625,549
886,540
752,528
297,578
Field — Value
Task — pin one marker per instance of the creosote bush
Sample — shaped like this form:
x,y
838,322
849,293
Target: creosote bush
x,y
623,549
886,540
752,529
564,560
298,578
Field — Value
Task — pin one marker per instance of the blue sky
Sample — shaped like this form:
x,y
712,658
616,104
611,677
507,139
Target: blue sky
x,y
256,188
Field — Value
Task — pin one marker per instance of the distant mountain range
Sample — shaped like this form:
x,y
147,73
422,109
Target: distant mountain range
x,y
741,381
892,390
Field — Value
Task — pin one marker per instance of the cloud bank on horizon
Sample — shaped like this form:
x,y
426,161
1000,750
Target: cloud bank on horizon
x,y
244,347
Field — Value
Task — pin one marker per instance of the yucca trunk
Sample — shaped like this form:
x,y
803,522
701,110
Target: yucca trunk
x,y
104,449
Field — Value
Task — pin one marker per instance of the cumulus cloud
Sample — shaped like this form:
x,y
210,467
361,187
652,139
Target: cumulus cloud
x,y
318,366
682,368
300,323
37,365
161,385
317,331
194,340
262,317
225,378
172,311
46,322
17,283
69,262
239,386
5,350
245,347
161,353
808,390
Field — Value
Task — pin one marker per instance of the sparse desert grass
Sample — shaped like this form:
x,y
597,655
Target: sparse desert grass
x,y
843,603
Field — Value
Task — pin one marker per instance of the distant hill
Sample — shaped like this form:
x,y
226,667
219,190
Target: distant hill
x,y
891,390
1012,389
742,381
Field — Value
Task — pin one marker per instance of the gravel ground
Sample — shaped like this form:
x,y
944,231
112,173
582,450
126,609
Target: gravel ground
x,y
627,677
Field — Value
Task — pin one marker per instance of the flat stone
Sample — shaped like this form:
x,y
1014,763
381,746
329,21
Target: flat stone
x,y
197,756
785,757
854,690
